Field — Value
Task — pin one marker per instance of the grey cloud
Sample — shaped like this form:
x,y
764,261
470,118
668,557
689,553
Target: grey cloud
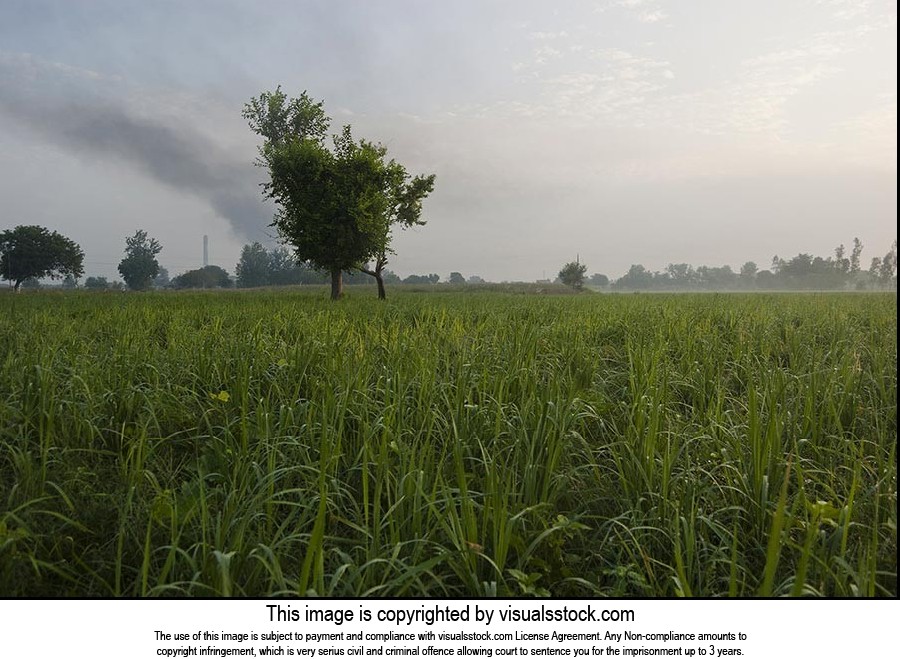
x,y
56,103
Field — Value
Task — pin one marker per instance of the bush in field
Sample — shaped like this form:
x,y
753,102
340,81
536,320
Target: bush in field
x,y
211,276
96,283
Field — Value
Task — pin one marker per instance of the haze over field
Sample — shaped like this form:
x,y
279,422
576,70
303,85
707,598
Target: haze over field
x,y
628,131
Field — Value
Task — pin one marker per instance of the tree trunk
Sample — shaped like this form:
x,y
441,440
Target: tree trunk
x,y
18,286
337,283
380,262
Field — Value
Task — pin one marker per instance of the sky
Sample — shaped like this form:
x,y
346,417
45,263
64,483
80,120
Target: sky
x,y
708,132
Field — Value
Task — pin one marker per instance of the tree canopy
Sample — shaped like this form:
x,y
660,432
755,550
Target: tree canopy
x,y
336,204
33,252
139,267
209,276
572,274
254,268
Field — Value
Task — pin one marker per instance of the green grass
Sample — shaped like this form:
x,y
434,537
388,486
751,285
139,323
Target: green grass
x,y
458,444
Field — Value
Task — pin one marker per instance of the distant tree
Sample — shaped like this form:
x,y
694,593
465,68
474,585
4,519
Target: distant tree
x,y
766,280
474,279
33,252
747,276
162,279
433,278
336,206
69,283
598,280
749,270
572,274
96,283
855,255
887,269
716,278
210,276
32,283
875,270
358,278
286,271
799,266
139,267
456,278
255,267
681,275
841,261
637,278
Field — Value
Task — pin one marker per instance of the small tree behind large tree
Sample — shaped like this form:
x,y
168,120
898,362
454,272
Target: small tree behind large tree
x,y
255,267
336,204
139,267
572,274
33,252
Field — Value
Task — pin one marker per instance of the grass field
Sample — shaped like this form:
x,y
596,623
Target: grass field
x,y
274,443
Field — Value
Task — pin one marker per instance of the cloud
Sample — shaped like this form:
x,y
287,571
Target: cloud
x,y
646,11
545,53
90,115
547,36
845,10
652,16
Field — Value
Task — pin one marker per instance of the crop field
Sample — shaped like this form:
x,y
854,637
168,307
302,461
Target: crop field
x,y
448,444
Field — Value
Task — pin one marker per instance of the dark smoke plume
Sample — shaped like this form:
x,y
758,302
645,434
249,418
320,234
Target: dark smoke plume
x,y
64,105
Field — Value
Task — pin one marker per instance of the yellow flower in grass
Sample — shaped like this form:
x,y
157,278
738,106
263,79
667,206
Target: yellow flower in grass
x,y
223,396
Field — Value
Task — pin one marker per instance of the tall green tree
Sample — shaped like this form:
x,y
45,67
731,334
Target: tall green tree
x,y
336,204
572,274
255,267
139,267
32,252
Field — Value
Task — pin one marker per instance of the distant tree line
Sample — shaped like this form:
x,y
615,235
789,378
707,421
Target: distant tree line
x,y
802,272
259,266
30,253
